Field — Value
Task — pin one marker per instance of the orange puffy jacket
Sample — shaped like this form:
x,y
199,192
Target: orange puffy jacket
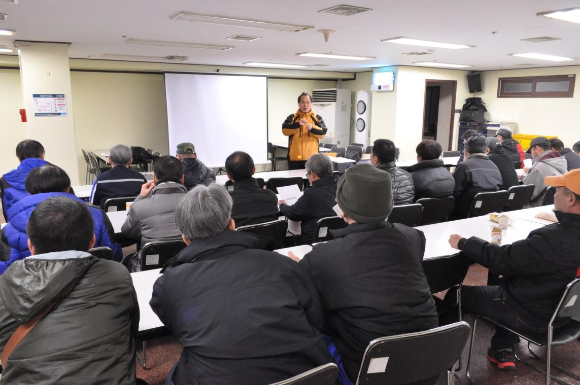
x,y
301,142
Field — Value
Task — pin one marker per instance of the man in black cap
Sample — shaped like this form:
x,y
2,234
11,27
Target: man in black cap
x,y
195,171
477,173
369,277
572,159
511,147
544,163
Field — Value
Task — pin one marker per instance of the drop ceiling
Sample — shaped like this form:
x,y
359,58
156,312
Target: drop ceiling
x,y
99,29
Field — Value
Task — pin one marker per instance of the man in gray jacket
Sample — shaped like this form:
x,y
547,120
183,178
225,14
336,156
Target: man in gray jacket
x,y
91,308
151,217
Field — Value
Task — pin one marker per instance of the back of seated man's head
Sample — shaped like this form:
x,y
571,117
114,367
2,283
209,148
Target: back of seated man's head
x,y
384,150
503,133
204,212
75,230
186,150
556,144
320,164
168,169
46,179
576,147
121,155
476,144
240,166
29,149
365,194
429,149
468,134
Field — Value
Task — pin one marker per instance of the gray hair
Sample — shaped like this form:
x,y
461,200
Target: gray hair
x,y
320,164
121,154
204,211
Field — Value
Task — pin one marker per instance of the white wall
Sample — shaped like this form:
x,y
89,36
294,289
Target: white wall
x,y
536,116
11,129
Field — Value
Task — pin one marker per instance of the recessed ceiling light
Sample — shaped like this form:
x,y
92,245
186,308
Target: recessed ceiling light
x,y
3,16
237,22
274,65
437,64
570,14
178,44
138,57
425,43
6,32
6,50
541,56
243,38
333,56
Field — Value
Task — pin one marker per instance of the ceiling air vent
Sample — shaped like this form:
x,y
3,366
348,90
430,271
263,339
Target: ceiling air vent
x,y
243,38
145,58
541,39
417,53
324,96
176,58
345,10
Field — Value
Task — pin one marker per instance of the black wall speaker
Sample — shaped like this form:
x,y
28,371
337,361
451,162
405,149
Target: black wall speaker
x,y
474,82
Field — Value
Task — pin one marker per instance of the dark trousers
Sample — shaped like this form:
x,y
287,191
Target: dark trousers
x,y
296,164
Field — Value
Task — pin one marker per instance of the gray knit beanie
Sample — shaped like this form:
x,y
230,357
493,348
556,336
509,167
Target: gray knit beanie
x,y
365,194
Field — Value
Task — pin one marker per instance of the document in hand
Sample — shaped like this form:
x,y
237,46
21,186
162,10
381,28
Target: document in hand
x,y
289,193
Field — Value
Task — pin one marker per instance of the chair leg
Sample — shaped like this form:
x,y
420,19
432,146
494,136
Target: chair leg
x,y
554,378
450,378
143,360
470,350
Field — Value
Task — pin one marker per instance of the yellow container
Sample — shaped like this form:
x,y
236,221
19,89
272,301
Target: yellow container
x,y
525,140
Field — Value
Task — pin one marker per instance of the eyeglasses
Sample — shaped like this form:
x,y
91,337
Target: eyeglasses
x,y
308,174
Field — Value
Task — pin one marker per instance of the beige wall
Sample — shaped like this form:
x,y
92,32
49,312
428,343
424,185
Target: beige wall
x,y
537,116
12,130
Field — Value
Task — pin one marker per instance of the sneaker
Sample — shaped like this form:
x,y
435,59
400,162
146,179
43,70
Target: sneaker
x,y
503,358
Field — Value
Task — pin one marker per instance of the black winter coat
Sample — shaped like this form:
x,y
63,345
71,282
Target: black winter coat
x,y
253,204
505,166
572,159
242,315
431,179
196,173
514,150
372,285
402,182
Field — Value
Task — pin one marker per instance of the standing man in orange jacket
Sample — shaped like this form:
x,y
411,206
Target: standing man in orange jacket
x,y
305,128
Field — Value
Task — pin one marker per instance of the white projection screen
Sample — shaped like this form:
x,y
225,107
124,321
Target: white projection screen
x,y
219,114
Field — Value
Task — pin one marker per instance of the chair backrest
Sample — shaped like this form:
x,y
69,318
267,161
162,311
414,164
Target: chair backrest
x,y
409,215
357,149
357,144
325,224
274,229
447,154
549,196
156,254
270,151
413,357
117,204
519,196
274,183
369,150
94,162
328,145
569,305
436,210
488,202
322,375
445,272
103,252
86,156
340,151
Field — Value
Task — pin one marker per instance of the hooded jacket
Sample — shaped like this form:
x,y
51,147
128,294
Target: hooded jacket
x,y
431,179
86,338
514,150
13,182
572,159
402,181
303,143
248,316
505,166
196,173
550,163
15,230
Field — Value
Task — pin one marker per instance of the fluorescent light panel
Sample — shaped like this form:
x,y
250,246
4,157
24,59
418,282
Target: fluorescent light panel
x,y
333,56
138,57
178,44
6,32
424,43
437,64
571,15
274,65
541,56
6,50
237,22
10,1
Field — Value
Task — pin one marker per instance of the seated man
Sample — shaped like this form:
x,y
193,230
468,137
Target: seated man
x,y
195,171
252,204
535,272
120,181
430,176
242,315
317,201
544,163
383,157
464,138
576,147
504,163
42,183
30,153
572,159
511,147
369,277
87,338
152,215
475,174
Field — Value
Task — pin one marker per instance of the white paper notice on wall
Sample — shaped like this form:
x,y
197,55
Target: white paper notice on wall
x,y
572,301
152,259
478,204
378,365
49,105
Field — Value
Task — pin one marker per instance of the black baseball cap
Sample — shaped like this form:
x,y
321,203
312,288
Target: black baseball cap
x,y
538,141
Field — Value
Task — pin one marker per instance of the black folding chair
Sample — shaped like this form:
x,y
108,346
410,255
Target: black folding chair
x,y
280,157
340,151
519,196
103,252
449,154
324,225
548,198
488,202
328,145
567,308
436,210
274,229
393,360
369,150
322,375
357,144
357,149
274,183
409,215
117,204
156,254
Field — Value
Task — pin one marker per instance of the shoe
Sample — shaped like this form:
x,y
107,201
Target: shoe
x,y
503,358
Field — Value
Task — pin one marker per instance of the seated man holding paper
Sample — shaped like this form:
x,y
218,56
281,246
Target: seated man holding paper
x,y
535,272
370,276
317,201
